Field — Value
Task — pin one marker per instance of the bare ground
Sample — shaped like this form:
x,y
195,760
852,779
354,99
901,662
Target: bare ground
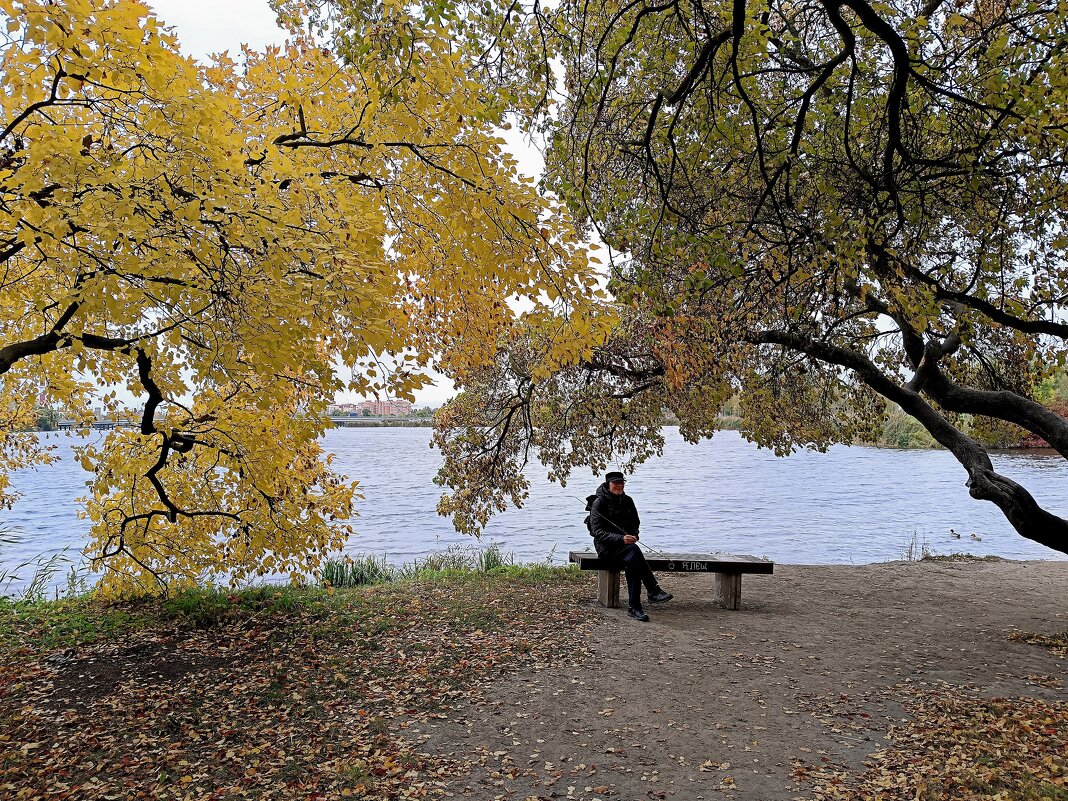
x,y
703,702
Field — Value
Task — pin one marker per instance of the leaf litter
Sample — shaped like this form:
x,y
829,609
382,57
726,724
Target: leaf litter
x,y
307,704
956,744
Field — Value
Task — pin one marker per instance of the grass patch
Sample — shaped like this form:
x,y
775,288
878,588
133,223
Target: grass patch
x,y
456,560
37,576
29,626
356,571
355,773
204,608
918,549
52,625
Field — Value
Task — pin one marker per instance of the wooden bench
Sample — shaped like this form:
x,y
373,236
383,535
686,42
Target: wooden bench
x,y
728,570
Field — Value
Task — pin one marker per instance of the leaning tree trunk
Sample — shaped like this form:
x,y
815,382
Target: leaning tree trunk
x,y
1019,507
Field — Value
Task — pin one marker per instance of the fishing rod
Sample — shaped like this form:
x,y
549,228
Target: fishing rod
x,y
612,523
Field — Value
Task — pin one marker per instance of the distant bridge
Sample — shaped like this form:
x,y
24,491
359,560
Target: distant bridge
x,y
101,423
344,421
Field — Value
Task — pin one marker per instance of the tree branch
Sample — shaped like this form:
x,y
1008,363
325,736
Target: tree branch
x,y
1015,502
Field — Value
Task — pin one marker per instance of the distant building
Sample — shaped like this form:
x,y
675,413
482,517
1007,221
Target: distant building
x,y
343,408
386,408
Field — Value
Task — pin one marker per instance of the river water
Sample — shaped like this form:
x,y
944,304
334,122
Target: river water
x,y
849,505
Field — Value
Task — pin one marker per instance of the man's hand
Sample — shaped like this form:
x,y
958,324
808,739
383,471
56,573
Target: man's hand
x,y
629,539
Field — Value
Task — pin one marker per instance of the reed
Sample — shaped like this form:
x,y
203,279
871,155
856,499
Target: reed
x,y
358,571
916,548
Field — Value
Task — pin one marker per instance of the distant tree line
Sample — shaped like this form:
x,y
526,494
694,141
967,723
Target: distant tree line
x,y
47,418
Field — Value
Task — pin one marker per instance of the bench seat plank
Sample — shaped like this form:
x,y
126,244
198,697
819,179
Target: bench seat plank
x,y
728,567
683,562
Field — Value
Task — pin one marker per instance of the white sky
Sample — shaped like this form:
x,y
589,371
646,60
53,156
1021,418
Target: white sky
x,y
214,26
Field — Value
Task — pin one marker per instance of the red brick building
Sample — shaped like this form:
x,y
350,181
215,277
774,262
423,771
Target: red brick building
x,y
386,408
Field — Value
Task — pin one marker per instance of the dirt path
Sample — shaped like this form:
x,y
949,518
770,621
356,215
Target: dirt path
x,y
702,702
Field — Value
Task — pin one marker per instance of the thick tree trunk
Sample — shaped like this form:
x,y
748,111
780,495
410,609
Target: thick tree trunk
x,y
1001,405
1016,503
1021,510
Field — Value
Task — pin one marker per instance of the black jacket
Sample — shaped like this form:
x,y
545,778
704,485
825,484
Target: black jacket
x,y
612,516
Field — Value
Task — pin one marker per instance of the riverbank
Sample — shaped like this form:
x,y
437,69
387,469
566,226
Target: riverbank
x,y
514,684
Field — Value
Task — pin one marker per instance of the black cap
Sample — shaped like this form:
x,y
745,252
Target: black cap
x,y
613,476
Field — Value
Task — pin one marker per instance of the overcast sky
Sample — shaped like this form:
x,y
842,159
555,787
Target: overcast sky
x,y
213,26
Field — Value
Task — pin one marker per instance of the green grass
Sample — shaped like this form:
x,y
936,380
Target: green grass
x,y
51,625
492,559
37,574
355,773
33,625
70,622
204,608
361,571
356,572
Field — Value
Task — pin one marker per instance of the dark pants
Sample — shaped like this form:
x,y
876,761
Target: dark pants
x,y
638,572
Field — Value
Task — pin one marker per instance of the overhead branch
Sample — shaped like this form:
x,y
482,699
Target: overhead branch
x,y
699,67
155,397
38,346
1016,503
929,378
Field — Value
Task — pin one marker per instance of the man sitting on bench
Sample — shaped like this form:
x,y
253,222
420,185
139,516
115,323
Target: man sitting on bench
x,y
614,525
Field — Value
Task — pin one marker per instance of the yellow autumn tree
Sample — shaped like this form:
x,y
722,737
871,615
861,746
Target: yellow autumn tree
x,y
225,242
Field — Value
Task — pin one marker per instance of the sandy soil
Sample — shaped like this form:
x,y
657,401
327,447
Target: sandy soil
x,y
703,702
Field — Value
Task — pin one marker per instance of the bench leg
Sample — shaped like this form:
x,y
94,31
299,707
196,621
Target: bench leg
x,y
729,590
608,588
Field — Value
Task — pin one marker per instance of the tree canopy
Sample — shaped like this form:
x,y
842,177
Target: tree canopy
x,y
818,207
234,243
822,206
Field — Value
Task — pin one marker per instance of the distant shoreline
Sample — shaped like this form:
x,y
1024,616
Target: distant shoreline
x,y
400,422
355,422
427,422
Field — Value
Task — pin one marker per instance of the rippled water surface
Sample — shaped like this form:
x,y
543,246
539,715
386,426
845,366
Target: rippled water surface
x,y
848,505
